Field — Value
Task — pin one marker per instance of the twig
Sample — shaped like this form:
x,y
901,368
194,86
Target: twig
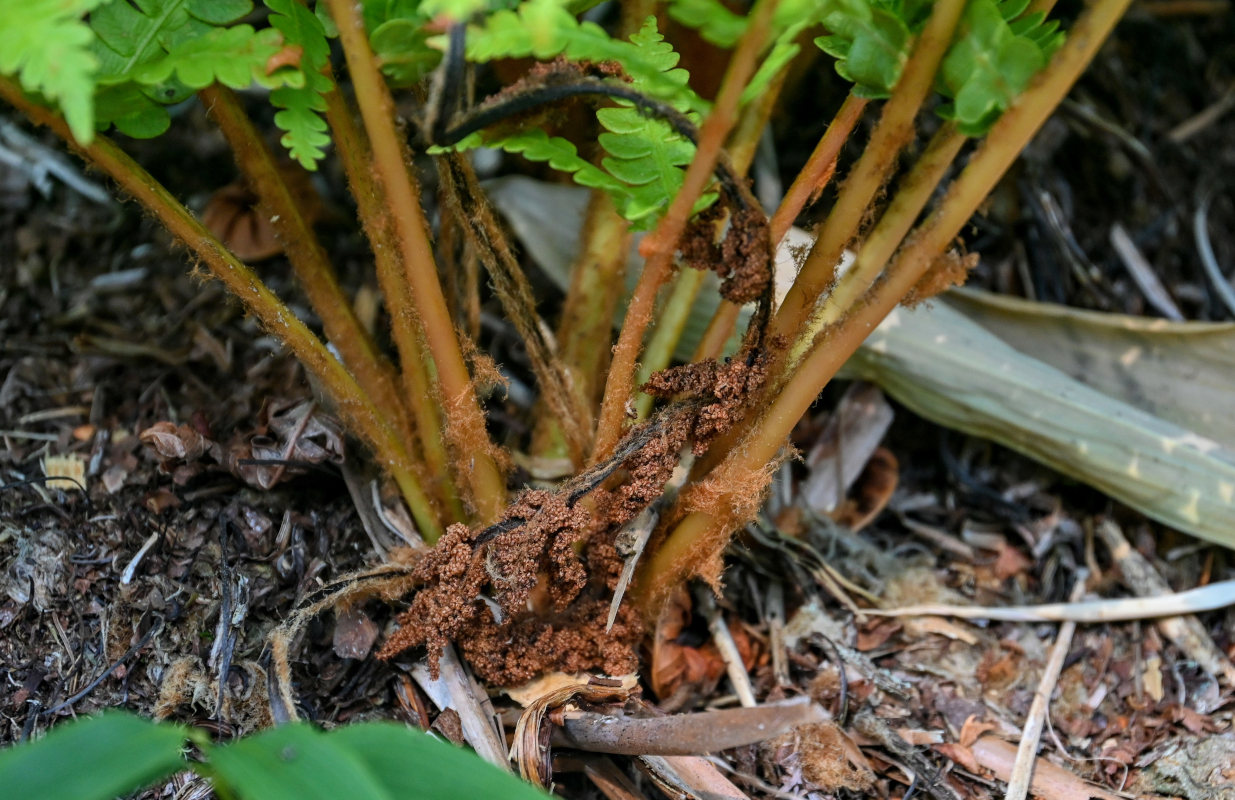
x,y
1207,598
727,648
687,734
90,687
633,538
1205,248
920,764
1188,634
454,688
1143,274
1031,732
126,577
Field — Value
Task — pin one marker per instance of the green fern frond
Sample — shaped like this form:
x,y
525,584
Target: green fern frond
x,y
235,57
646,155
996,54
47,46
154,53
133,33
536,145
544,29
301,119
720,26
714,22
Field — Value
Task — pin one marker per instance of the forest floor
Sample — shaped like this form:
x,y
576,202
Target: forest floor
x,y
148,586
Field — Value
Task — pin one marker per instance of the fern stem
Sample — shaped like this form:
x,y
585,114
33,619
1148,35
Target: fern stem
x,y
658,248
894,131
819,168
305,254
356,407
464,417
357,158
815,175
718,331
469,205
668,329
670,322
878,247
703,532
585,331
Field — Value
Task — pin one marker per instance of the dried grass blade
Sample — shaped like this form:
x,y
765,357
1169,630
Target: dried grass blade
x,y
1207,598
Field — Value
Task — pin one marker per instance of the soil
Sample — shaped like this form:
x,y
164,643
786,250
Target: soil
x,y
154,578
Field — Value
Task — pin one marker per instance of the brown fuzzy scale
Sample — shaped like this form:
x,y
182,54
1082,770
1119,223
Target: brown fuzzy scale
x,y
720,389
742,257
537,544
457,573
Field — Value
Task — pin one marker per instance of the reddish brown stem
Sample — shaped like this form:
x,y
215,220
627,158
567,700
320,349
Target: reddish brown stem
x,y
465,420
357,158
894,131
819,168
308,260
703,532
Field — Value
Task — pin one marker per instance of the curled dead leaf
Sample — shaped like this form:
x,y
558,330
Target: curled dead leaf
x,y
871,493
172,443
232,213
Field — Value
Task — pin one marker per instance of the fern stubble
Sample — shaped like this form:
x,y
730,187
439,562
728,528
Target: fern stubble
x,y
465,424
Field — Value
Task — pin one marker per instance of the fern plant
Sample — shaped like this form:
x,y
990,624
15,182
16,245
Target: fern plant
x,y
663,155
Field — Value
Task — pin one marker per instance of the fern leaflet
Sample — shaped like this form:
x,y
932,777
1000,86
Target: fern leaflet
x,y
536,145
48,46
300,116
544,29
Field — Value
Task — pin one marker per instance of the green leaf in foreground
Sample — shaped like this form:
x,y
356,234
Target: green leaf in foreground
x,y
117,753
376,760
105,756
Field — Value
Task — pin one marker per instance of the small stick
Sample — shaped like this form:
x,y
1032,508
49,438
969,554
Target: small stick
x,y
1031,734
126,577
727,647
1188,634
1207,598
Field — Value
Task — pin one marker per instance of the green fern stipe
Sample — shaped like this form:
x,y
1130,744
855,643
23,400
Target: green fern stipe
x,y
48,47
